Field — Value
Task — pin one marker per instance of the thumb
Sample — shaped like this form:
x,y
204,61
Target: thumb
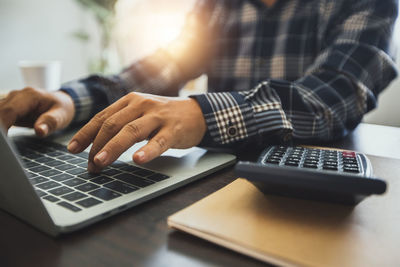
x,y
50,121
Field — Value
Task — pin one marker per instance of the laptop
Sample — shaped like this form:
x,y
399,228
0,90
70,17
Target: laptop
x,y
50,189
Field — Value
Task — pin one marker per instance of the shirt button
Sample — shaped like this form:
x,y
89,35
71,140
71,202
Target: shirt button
x,y
232,131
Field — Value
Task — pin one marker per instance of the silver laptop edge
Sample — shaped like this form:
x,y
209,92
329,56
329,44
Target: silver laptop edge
x,y
18,196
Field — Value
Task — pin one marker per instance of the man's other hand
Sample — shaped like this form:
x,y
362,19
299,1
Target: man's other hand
x,y
44,111
166,121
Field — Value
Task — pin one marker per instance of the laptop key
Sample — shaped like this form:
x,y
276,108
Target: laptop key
x,y
32,175
55,154
65,157
38,180
74,196
64,167
133,180
143,173
69,206
54,163
105,194
51,198
25,160
74,182
88,202
43,159
111,172
48,185
61,191
128,168
83,155
101,180
40,169
120,187
75,161
61,177
31,164
76,171
40,193
157,177
87,187
33,156
87,175
83,164
50,173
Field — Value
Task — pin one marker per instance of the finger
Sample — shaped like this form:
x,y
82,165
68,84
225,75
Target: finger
x,y
16,106
8,116
157,145
130,134
82,139
50,121
111,127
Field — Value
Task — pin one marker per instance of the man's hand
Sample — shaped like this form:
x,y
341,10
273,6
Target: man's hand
x,y
167,122
45,111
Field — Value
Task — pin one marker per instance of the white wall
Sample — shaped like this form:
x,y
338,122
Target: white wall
x,y
41,30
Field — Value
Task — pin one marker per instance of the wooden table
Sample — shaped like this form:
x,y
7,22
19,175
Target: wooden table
x,y
140,236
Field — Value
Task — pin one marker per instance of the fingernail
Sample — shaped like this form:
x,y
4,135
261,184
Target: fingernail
x,y
140,155
102,157
73,146
44,128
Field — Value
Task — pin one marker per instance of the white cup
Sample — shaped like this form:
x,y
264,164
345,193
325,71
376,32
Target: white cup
x,y
44,75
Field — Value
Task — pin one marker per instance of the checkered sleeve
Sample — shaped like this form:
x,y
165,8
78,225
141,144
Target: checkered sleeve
x,y
162,73
328,101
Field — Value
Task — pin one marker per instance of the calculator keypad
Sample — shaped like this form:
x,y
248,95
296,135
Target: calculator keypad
x,y
312,158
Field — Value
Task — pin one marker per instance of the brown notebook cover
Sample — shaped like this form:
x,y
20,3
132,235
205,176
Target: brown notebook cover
x,y
288,231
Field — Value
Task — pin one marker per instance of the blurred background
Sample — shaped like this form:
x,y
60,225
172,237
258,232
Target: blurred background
x,y
78,33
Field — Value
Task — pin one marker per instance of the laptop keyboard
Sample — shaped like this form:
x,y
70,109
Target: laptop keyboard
x,y
62,178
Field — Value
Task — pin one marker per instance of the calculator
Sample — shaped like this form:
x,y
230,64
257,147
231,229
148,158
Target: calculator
x,y
322,174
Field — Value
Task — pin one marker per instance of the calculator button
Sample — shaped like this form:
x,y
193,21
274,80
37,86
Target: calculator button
x,y
349,154
310,162
275,158
312,166
355,170
349,160
292,163
312,159
277,155
272,161
330,167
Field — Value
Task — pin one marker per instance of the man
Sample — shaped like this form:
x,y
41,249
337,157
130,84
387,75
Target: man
x,y
302,70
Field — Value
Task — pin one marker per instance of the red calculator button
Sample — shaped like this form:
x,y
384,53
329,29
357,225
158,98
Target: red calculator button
x,y
349,154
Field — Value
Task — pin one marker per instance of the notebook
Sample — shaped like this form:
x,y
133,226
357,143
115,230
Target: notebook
x,y
49,188
293,232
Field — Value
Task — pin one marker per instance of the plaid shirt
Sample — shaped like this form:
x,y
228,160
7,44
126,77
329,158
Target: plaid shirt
x,y
302,70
